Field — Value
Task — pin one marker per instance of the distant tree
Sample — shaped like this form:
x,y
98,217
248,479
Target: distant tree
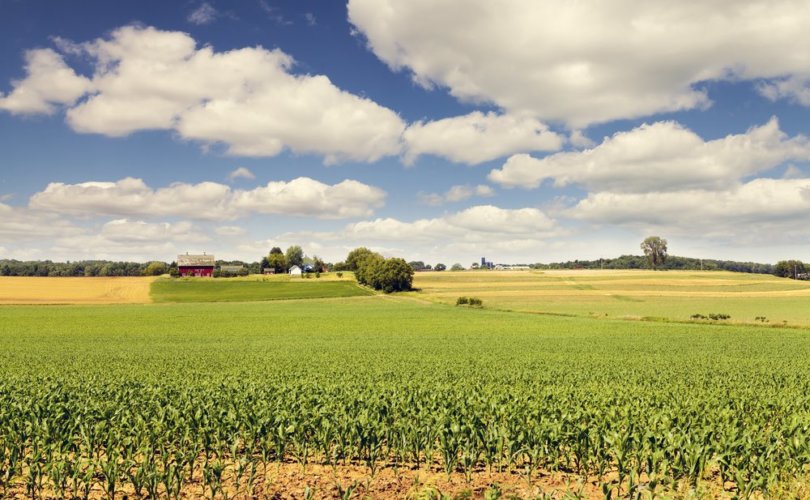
x,y
655,248
294,256
395,276
368,268
278,262
789,268
457,267
476,265
275,250
5,270
417,265
356,257
439,267
156,269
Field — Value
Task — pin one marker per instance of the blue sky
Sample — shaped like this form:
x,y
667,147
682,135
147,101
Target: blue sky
x,y
522,131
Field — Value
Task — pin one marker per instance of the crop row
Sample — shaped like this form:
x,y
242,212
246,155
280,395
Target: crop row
x,y
154,439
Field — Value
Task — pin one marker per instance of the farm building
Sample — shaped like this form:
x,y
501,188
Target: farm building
x,y
295,271
196,265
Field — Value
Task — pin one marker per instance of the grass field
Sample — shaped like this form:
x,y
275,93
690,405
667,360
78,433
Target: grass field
x,y
253,289
44,290
675,295
194,397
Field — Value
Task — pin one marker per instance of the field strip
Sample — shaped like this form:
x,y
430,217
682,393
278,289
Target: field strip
x,y
626,293
59,290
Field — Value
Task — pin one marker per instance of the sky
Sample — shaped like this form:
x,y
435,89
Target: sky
x,y
522,131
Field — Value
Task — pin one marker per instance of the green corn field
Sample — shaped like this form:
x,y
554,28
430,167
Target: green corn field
x,y
181,400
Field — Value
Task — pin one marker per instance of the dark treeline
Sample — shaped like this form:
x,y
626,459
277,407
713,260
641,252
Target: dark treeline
x,y
672,262
10,267
77,268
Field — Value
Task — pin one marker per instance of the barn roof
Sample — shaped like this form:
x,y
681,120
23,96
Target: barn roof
x,y
195,260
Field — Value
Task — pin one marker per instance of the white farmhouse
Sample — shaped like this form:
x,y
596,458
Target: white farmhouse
x,y
295,271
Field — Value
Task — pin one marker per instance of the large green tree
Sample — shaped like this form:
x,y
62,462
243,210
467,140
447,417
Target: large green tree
x,y
356,257
294,256
655,248
789,268
277,262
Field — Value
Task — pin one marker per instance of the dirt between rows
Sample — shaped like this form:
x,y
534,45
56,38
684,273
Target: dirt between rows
x,y
289,480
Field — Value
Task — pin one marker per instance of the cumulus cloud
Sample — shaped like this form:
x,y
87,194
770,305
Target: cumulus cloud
x,y
241,173
136,231
477,137
210,200
247,99
22,223
585,62
204,14
663,156
456,194
794,88
477,223
230,231
49,82
756,208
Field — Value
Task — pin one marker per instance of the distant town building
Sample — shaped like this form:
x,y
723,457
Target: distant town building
x,y
196,265
485,264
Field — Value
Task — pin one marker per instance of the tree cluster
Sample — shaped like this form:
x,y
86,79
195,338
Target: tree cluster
x,y
372,269
10,267
790,269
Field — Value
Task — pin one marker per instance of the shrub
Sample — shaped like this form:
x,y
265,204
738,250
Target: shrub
x,y
339,275
461,301
718,316
476,302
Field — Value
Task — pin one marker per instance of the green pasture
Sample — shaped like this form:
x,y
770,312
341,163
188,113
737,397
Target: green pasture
x,y
252,289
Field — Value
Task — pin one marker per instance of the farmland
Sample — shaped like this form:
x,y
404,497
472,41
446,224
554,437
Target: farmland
x,y
390,396
43,290
253,289
672,295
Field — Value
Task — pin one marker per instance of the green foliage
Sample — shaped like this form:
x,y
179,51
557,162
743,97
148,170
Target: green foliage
x,y
388,275
789,269
457,267
439,267
294,256
462,301
156,268
356,258
144,398
278,262
655,249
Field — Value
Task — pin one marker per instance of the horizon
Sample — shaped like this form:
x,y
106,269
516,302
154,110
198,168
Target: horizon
x,y
138,131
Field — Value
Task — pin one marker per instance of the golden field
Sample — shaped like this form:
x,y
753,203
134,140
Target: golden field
x,y
45,290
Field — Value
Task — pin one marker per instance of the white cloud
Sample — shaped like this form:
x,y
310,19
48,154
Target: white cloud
x,y
761,208
246,99
456,194
210,200
590,61
477,137
230,231
794,88
663,156
138,232
204,14
21,223
241,173
477,223
307,197
48,82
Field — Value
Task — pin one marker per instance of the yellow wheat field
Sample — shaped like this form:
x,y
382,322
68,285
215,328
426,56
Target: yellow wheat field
x,y
119,290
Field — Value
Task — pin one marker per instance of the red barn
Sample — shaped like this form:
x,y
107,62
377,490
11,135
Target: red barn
x,y
196,265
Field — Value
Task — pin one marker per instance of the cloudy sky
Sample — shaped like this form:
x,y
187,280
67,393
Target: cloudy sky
x,y
520,130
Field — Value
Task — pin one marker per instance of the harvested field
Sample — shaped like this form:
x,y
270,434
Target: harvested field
x,y
47,290
674,295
